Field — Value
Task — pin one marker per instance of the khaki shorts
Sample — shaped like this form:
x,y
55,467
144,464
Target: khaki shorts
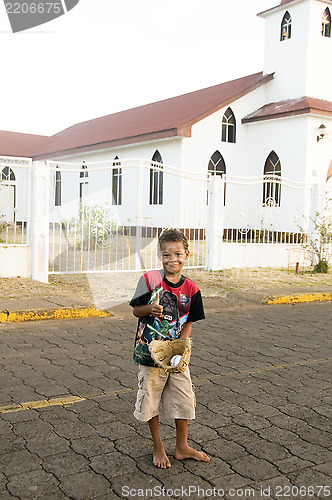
x,y
174,391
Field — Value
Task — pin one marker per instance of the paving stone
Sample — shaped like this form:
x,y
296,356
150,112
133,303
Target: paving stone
x,y
276,487
311,452
231,482
325,468
224,449
263,411
137,448
237,433
46,445
254,468
186,484
92,446
17,462
97,416
84,485
74,430
272,452
145,465
277,435
253,422
140,485
29,485
215,468
116,430
201,433
10,442
112,464
20,416
38,429
310,476
64,464
292,464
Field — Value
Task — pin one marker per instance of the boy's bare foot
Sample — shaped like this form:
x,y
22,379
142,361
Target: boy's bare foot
x,y
188,452
160,459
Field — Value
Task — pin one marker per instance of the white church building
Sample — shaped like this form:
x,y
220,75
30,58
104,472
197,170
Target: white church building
x,y
266,135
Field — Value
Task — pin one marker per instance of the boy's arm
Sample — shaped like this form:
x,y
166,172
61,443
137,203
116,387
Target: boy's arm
x,y
154,308
186,330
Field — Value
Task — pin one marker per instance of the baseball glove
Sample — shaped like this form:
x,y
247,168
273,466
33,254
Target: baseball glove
x,y
162,352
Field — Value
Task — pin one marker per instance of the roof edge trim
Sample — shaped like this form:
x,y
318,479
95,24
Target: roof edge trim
x,y
285,114
262,81
162,134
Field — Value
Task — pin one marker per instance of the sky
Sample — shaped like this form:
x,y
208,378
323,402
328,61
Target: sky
x,y
105,56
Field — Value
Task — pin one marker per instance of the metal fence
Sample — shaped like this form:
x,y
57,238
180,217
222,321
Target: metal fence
x,y
265,210
15,187
108,216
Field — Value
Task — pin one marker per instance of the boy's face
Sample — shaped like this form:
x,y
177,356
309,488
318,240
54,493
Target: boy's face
x,y
173,257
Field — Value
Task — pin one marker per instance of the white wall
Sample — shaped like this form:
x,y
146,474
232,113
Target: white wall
x,y
206,138
288,137
257,255
301,63
100,182
319,69
15,261
319,153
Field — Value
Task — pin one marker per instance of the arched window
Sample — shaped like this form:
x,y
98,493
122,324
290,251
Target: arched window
x,y
7,174
84,181
271,185
156,180
116,182
326,23
57,191
286,27
217,167
8,194
228,127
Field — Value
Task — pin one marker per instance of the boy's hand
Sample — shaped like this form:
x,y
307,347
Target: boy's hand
x,y
156,309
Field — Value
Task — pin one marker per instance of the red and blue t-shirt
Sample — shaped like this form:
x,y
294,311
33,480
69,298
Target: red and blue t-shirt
x,y
182,302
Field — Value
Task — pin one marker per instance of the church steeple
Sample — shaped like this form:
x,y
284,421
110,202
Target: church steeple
x,y
298,49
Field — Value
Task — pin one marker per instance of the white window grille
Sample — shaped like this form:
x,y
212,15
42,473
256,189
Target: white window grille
x,y
272,185
156,180
228,128
116,182
84,181
217,166
57,191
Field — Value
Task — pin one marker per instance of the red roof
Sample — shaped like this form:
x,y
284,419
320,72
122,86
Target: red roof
x,y
172,117
290,107
25,145
283,2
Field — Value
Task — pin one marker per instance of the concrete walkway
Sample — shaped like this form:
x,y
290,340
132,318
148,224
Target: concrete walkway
x,y
263,386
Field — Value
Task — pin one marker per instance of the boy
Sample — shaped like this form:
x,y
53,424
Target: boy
x,y
166,304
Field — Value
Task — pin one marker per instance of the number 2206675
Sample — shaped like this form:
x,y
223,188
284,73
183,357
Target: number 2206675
x,y
302,491
33,8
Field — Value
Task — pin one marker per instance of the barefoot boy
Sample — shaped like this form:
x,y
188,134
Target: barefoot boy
x,y
166,304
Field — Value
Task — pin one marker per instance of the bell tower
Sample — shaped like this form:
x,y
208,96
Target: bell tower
x,y
298,49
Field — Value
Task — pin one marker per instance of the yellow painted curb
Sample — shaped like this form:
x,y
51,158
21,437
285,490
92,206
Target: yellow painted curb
x,y
300,298
88,312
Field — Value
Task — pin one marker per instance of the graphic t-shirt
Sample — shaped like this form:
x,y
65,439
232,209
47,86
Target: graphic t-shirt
x,y
182,302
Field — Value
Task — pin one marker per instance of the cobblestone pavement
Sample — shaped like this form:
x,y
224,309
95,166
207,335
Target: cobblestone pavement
x,y
263,385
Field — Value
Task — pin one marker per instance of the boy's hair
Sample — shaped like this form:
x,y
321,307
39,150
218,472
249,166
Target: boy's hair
x,y
173,235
